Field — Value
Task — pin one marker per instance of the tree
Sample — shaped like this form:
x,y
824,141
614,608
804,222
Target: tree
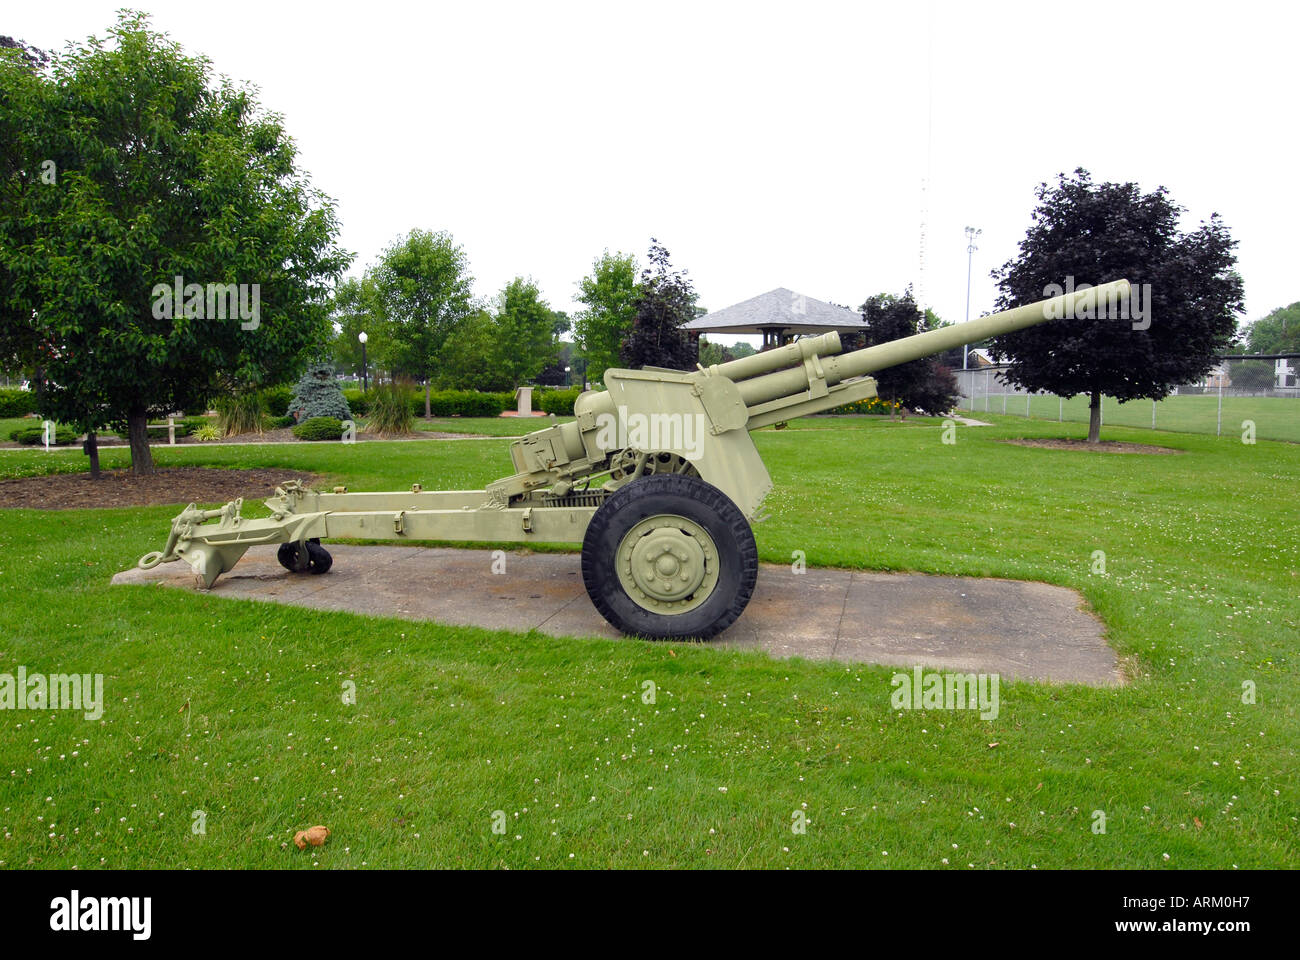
x,y
318,395
1253,376
609,294
35,58
423,287
467,360
665,301
1279,332
355,310
712,353
1187,294
922,384
554,373
158,242
525,331
505,348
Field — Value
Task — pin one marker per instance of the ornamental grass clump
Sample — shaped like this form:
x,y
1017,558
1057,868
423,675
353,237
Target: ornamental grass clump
x,y
390,412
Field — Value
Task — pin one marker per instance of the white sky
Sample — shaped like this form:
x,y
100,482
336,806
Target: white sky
x,y
764,144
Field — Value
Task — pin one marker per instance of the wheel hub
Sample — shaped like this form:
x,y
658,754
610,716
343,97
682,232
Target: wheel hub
x,y
668,564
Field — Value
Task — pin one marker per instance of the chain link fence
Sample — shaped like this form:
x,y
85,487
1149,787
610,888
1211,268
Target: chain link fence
x,y
1239,397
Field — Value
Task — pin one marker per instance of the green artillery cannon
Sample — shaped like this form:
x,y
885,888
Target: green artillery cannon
x,y
657,477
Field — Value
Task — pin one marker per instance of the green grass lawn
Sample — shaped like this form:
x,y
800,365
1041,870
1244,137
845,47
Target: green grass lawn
x,y
9,424
235,708
492,426
1275,418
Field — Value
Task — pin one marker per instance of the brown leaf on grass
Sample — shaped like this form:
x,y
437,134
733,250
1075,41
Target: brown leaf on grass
x,y
313,835
1197,821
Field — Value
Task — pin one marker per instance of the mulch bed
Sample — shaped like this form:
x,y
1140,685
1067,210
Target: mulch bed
x,y
1105,446
279,435
121,488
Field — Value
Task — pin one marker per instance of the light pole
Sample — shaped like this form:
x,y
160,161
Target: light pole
x,y
365,382
971,235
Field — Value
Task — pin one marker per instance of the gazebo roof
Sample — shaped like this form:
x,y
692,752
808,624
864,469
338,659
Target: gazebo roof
x,y
781,309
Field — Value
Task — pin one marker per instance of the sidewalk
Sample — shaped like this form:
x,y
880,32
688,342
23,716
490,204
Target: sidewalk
x,y
1018,629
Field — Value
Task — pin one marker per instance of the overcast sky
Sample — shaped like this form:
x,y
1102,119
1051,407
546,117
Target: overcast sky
x,y
766,145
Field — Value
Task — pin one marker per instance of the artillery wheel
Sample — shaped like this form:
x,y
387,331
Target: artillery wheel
x,y
313,559
669,556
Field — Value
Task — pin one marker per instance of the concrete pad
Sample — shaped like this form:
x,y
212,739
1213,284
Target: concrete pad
x,y
1017,629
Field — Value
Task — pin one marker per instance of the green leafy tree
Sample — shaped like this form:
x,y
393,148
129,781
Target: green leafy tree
x,y
423,287
505,348
1253,376
555,374
712,353
1279,332
468,358
665,301
355,310
34,57
609,295
1187,291
125,166
925,384
526,330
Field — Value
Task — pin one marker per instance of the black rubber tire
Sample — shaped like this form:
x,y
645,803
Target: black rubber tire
x,y
316,560
684,496
319,559
290,558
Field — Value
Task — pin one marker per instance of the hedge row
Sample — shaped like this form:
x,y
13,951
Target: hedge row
x,y
34,435
559,402
462,403
442,403
471,403
16,403
358,402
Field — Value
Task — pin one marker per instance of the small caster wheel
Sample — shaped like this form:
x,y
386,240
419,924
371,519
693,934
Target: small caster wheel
x,y
309,557
292,557
318,558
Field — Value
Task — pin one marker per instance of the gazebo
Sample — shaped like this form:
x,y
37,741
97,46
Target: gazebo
x,y
779,316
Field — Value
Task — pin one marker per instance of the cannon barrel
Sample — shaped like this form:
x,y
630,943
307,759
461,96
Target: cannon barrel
x,y
796,380
790,355
859,363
